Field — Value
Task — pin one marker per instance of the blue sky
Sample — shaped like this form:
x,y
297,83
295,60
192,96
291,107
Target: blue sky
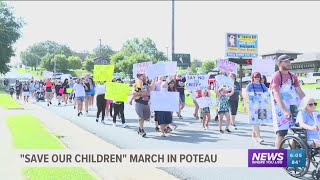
x,y
200,26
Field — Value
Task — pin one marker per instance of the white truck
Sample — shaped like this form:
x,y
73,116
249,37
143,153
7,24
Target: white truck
x,y
310,78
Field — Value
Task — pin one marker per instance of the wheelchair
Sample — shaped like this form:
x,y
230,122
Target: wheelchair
x,y
298,140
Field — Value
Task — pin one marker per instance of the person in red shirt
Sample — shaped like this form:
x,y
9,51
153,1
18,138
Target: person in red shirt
x,y
49,93
286,96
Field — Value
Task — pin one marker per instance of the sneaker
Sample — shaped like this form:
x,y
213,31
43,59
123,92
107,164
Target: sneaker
x,y
86,111
235,127
142,133
180,117
124,125
97,120
204,128
50,102
79,113
168,130
221,131
102,121
163,135
157,129
216,118
59,104
228,131
260,140
195,116
74,107
175,127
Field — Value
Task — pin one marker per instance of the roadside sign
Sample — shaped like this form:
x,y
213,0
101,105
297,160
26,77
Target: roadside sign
x,y
183,60
241,45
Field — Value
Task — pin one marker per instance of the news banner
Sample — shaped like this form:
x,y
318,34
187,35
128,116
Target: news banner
x,y
212,158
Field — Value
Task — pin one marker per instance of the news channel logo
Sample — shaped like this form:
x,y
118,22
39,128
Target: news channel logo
x,y
276,158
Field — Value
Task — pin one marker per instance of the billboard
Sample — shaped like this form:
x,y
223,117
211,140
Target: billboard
x,y
241,45
183,60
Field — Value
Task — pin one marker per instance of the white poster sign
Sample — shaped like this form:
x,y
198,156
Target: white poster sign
x,y
48,75
162,69
205,102
164,101
140,68
264,66
197,82
227,66
223,80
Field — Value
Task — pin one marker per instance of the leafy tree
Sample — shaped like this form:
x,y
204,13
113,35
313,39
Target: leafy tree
x,y
9,33
196,63
62,63
193,70
89,64
47,62
106,51
74,62
30,59
207,66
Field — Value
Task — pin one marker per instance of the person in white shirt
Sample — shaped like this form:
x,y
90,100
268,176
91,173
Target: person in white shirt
x,y
101,101
79,94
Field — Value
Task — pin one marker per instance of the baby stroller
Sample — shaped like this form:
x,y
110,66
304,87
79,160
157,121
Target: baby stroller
x,y
40,95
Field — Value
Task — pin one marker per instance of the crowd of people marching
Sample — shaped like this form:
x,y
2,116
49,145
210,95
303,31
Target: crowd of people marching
x,y
86,91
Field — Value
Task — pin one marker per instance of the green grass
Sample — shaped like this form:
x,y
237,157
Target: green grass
x,y
311,86
78,72
6,101
28,133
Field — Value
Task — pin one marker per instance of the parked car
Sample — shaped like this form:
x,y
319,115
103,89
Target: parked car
x,y
310,78
211,81
57,75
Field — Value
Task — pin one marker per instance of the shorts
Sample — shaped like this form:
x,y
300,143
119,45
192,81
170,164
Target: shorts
x,y
88,94
48,95
282,132
25,94
143,111
155,116
233,107
205,110
80,98
222,112
59,94
183,98
92,95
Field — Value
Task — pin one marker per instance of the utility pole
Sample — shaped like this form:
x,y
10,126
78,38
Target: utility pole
x,y
167,53
172,57
100,48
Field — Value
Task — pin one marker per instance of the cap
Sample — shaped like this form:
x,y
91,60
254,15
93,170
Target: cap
x,y
284,57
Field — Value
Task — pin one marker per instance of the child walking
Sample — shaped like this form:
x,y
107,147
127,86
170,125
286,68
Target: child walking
x,y
119,109
223,108
205,112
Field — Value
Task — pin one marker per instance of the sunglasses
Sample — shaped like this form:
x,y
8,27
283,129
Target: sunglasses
x,y
313,104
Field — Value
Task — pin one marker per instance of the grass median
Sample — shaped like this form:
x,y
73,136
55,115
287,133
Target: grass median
x,y
28,133
7,102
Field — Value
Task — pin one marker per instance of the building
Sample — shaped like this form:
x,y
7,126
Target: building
x,y
101,60
309,62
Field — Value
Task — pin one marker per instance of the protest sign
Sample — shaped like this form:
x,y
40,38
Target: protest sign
x,y
162,69
48,75
264,66
197,82
103,72
117,91
140,68
223,80
259,107
205,102
164,101
69,90
227,66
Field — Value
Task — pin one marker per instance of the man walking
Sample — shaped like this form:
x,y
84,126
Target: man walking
x,y
286,97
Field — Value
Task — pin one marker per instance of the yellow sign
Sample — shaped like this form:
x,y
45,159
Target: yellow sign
x,y
117,91
103,72
69,90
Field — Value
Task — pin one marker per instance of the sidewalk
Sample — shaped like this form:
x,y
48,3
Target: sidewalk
x,y
9,169
76,138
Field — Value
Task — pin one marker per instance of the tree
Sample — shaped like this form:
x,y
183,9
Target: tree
x,y
9,33
193,70
74,62
196,63
89,64
46,62
106,51
207,66
30,59
62,63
